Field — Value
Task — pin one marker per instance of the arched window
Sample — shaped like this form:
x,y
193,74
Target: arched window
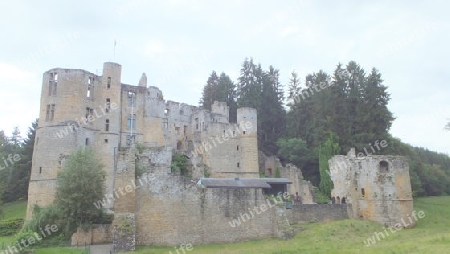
x,y
384,166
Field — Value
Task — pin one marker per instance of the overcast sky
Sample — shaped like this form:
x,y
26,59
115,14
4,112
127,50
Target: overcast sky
x,y
177,43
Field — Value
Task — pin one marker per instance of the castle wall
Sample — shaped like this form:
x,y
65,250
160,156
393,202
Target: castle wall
x,y
171,210
307,213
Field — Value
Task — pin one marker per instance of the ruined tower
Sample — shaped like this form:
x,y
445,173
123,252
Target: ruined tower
x,y
78,109
377,186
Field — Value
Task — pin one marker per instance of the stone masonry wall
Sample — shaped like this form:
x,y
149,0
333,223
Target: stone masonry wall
x,y
97,234
171,210
301,213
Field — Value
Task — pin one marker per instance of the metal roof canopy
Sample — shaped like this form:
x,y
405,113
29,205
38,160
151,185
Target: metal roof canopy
x,y
277,180
242,182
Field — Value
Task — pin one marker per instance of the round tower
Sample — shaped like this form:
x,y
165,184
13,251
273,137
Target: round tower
x,y
247,121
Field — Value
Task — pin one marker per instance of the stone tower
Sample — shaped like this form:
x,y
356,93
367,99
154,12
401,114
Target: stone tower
x,y
78,109
248,122
378,187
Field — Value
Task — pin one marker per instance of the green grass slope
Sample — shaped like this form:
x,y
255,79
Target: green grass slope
x,y
16,209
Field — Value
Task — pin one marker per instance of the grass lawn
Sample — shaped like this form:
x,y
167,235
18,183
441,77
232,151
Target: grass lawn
x,y
12,210
431,235
15,209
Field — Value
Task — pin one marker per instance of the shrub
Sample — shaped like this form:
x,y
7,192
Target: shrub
x,y
320,197
10,226
179,164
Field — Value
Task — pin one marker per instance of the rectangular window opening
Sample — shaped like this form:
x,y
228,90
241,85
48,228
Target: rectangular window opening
x,y
89,112
107,125
52,84
131,99
108,105
108,84
50,112
40,170
90,88
131,121
47,114
128,140
87,141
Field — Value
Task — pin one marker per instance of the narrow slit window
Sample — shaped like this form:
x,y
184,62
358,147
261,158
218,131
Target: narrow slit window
x,y
108,83
47,114
107,125
52,112
108,105
90,88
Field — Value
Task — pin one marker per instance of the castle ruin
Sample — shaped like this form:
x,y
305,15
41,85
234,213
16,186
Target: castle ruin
x,y
135,133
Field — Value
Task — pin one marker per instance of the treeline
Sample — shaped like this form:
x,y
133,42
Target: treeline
x,y
325,114
15,164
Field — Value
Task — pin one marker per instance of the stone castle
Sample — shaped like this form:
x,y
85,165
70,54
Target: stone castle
x,y
135,133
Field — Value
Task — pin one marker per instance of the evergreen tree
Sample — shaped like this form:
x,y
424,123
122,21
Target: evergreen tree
x,y
220,89
249,85
326,151
227,93
271,113
210,91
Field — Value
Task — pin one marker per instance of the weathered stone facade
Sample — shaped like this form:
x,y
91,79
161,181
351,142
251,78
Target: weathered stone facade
x,y
378,187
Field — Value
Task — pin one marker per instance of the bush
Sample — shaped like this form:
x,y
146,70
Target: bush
x,y
29,237
10,226
49,215
179,164
320,197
